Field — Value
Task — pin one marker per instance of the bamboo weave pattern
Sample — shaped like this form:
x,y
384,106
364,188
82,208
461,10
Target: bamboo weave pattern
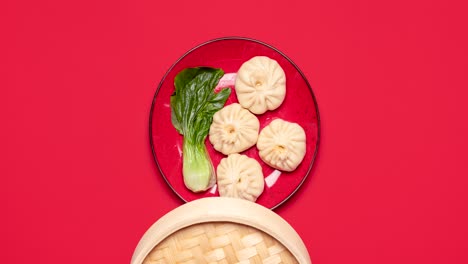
x,y
219,242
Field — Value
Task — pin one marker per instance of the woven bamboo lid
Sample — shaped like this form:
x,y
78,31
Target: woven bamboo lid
x,y
220,230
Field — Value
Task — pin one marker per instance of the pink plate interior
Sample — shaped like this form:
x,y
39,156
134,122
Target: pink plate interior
x,y
228,54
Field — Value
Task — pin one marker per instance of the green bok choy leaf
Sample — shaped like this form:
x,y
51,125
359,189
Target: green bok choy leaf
x,y
193,105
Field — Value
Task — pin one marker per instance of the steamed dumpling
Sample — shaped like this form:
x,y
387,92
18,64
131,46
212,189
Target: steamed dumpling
x,y
240,177
260,84
282,145
234,129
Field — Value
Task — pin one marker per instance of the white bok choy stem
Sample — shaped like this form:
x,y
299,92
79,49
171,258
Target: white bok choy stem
x,y
198,170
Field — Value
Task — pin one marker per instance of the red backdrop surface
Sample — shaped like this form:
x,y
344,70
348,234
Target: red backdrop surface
x,y
78,183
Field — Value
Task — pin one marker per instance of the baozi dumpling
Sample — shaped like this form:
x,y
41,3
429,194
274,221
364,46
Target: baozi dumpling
x,y
260,84
282,145
240,177
234,129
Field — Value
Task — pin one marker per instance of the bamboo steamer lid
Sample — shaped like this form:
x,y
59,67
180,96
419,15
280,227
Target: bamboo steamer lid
x,y
220,230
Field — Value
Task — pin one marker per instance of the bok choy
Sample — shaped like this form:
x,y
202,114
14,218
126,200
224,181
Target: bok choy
x,y
193,105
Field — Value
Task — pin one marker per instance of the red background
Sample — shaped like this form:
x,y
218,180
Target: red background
x,y
78,181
